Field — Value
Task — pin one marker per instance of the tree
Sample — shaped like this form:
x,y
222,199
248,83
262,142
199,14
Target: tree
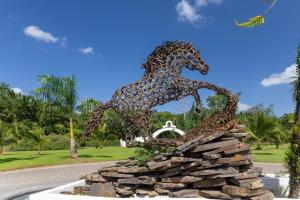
x,y
287,120
102,134
8,103
263,128
3,135
293,154
36,135
61,92
216,103
278,136
259,19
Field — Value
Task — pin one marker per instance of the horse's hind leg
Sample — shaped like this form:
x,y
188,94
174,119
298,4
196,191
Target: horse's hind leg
x,y
132,131
143,123
198,101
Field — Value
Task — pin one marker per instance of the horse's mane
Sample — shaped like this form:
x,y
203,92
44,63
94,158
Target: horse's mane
x,y
160,53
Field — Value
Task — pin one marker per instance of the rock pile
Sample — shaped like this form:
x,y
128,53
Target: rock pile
x,y
218,167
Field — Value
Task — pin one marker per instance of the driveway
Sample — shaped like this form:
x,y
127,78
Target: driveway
x,y
18,182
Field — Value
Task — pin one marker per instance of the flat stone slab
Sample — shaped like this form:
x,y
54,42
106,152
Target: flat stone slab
x,y
199,140
254,183
170,186
185,159
207,172
186,193
235,158
209,164
212,156
237,134
142,180
133,170
222,149
155,165
94,178
124,191
116,175
150,193
267,195
213,194
163,165
193,164
246,175
160,190
181,179
102,189
242,162
241,191
109,169
241,149
209,146
210,183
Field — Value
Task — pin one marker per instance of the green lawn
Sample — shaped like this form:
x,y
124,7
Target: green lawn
x,y
25,159
270,154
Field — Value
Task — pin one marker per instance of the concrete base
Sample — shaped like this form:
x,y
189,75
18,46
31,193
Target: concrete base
x,y
278,185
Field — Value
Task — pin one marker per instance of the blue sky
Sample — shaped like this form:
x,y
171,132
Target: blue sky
x,y
103,43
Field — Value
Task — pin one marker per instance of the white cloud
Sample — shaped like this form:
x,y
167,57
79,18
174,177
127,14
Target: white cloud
x,y
287,76
87,50
243,107
17,90
189,13
202,3
37,33
186,12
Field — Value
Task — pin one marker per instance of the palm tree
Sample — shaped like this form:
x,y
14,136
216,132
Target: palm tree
x,y
293,155
102,133
61,92
36,135
278,136
3,135
262,128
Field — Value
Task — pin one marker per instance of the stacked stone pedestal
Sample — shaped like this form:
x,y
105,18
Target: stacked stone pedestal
x,y
218,166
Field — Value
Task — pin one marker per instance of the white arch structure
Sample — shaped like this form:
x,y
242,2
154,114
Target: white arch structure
x,y
169,126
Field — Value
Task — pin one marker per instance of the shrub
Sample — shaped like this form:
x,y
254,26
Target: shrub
x,y
23,145
142,155
53,142
57,142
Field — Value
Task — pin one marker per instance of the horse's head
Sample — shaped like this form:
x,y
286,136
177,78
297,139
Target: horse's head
x,y
191,59
177,54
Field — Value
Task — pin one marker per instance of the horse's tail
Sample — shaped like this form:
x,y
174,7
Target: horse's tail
x,y
95,118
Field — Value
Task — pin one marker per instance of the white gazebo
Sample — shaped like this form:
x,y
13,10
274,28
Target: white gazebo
x,y
169,126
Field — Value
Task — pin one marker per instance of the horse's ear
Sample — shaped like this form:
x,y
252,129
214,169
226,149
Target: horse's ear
x,y
189,45
144,65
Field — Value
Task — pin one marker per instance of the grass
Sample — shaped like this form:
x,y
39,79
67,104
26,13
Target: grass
x,y
26,159
270,154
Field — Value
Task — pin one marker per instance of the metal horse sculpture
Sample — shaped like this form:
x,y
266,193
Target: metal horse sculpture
x,y
162,83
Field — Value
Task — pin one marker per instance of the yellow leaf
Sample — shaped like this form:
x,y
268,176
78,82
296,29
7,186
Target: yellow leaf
x,y
254,21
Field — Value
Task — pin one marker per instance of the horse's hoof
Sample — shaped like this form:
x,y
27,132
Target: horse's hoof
x,y
198,110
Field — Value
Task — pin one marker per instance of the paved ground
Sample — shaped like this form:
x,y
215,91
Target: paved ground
x,y
270,168
22,181
18,182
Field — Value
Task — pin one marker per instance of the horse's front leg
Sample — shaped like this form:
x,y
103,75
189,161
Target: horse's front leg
x,y
198,101
188,86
